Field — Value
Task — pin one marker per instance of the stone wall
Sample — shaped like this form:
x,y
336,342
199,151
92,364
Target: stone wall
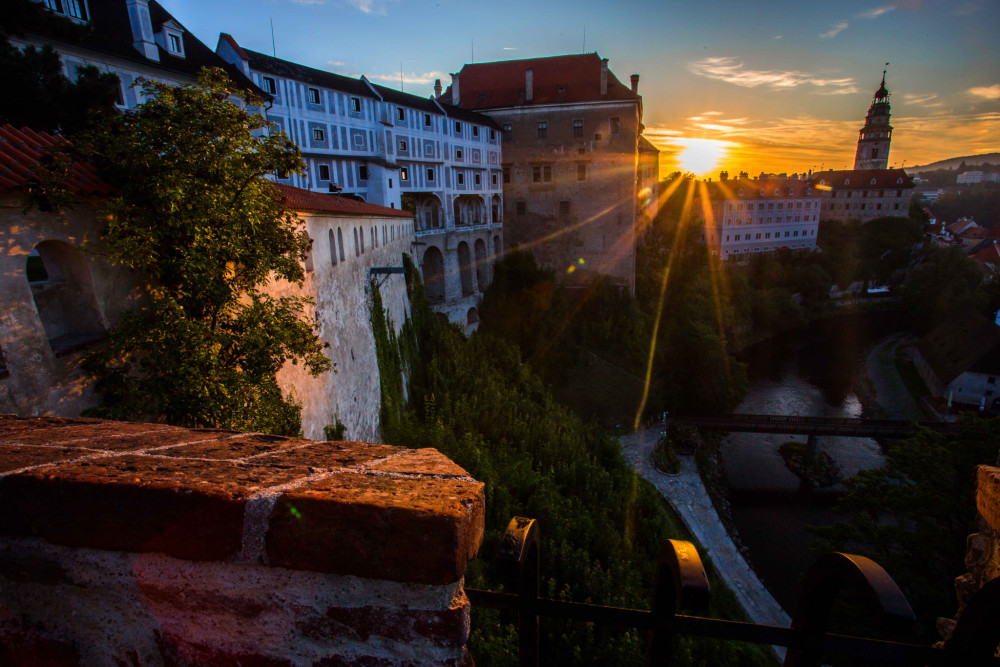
x,y
128,544
982,555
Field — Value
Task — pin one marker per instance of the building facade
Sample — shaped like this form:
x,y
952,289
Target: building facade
x,y
748,216
579,180
400,151
133,39
874,138
863,194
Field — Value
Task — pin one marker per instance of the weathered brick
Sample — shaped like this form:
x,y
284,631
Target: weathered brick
x,y
421,462
988,496
15,457
399,529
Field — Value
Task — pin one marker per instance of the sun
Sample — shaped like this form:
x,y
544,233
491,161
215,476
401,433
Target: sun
x,y
701,156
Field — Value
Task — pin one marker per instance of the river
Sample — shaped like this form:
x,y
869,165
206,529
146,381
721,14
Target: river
x,y
816,372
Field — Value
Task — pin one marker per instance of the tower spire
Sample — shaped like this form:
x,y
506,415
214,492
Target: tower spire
x,y
875,137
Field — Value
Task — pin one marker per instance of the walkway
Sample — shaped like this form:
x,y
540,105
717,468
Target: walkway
x,y
891,393
688,496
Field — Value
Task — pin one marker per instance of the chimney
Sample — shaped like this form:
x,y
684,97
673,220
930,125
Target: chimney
x,y
635,84
529,85
455,99
142,29
437,88
604,77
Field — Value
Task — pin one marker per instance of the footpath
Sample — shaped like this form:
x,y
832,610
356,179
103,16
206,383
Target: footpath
x,y
689,498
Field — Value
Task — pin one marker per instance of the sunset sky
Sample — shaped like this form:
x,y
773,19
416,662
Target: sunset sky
x,y
776,86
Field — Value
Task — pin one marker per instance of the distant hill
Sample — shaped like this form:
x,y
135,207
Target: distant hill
x,y
955,162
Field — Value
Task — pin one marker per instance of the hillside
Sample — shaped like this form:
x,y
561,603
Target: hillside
x,y
955,162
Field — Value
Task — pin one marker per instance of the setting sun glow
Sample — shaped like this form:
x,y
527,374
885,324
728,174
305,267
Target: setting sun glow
x,y
701,156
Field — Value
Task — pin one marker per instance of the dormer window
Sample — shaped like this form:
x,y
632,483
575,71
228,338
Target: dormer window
x,y
899,181
268,84
872,182
847,181
170,37
740,193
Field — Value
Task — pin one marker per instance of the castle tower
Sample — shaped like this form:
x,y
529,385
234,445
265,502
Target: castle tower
x,y
874,138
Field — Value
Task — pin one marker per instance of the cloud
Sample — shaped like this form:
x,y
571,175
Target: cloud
x,y
368,6
927,100
876,12
510,48
308,2
835,30
986,92
728,69
336,63
412,77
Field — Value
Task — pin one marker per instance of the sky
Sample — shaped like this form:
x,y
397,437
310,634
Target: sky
x,y
743,86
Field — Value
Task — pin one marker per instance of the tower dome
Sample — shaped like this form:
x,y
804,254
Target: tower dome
x,y
874,138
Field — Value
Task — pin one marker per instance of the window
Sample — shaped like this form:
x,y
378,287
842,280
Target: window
x,y
269,86
543,129
477,179
430,174
508,132
403,145
404,174
355,105
400,113
581,172
458,128
72,8
458,153
520,208
493,135
506,174
460,178
318,134
363,172
615,125
475,130
427,120
333,248
175,43
493,180
564,207
324,172
541,174
313,96
578,128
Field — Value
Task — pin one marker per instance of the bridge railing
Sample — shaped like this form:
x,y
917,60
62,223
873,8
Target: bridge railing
x,y
683,584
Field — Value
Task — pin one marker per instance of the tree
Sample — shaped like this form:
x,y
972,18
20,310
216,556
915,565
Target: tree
x,y
945,284
45,99
921,502
204,232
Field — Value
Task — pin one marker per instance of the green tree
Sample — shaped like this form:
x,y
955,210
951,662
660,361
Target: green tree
x,y
921,502
204,232
946,283
45,99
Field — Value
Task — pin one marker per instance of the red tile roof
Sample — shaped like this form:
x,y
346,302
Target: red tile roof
x,y
975,233
236,47
859,178
20,152
298,199
773,186
555,80
988,255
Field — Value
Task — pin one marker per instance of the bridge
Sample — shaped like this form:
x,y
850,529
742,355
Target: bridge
x,y
816,426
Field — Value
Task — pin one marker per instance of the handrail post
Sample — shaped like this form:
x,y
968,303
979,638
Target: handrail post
x,y
519,556
680,581
828,576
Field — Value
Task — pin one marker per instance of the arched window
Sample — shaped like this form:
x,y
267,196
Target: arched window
x,y
340,244
465,268
64,296
433,270
472,318
482,280
357,249
333,248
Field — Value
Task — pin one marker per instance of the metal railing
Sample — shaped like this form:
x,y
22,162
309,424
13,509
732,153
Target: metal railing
x,y
683,584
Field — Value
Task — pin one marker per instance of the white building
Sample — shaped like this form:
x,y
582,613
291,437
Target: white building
x,y
746,216
396,150
970,177
133,39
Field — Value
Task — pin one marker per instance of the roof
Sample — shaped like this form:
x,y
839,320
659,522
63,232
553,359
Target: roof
x,y
990,254
109,32
773,186
555,80
20,152
883,178
306,200
958,344
976,232
646,146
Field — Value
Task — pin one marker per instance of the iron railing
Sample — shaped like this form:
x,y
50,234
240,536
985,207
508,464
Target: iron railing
x,y
683,584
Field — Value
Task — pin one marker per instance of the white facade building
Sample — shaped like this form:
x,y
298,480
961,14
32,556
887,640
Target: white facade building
x,y
970,177
748,216
397,150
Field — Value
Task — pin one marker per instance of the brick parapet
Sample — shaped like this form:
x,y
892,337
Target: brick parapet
x,y
204,546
